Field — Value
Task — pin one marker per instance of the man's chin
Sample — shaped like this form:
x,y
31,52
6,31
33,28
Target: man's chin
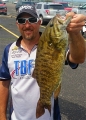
x,y
28,38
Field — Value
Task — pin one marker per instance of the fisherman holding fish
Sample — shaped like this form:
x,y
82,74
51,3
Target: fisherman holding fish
x,y
18,63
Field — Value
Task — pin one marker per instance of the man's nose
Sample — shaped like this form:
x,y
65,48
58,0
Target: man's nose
x,y
27,23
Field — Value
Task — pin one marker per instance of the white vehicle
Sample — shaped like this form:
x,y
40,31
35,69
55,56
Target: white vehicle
x,y
83,30
4,1
80,9
15,2
47,10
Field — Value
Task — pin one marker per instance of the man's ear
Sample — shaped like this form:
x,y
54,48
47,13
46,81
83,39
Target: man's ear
x,y
17,24
39,21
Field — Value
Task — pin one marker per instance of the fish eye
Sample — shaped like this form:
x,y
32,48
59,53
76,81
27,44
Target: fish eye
x,y
51,25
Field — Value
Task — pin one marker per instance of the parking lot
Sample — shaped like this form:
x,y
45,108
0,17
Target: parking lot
x,y
72,98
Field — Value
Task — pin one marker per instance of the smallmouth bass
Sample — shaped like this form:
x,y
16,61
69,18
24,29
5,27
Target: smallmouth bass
x,y
50,61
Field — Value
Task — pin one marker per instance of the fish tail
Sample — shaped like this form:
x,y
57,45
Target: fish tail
x,y
49,109
40,110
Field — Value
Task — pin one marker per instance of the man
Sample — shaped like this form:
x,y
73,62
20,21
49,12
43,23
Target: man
x,y
17,65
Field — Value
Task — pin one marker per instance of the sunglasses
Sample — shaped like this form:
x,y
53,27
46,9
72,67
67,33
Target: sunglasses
x,y
30,20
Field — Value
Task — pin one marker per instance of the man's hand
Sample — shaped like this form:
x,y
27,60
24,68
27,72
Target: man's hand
x,y
77,46
77,22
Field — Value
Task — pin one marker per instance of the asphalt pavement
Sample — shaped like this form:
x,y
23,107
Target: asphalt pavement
x,y
72,98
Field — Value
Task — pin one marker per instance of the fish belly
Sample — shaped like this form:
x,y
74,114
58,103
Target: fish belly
x,y
48,73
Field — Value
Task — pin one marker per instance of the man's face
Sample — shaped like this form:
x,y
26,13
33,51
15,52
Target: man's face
x,y
29,31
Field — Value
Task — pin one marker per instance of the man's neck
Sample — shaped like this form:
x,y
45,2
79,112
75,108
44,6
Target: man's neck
x,y
28,45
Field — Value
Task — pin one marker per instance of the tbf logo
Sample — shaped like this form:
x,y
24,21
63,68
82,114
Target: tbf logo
x,y
23,67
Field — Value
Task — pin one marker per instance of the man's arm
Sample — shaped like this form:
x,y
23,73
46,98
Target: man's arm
x,y
77,47
4,94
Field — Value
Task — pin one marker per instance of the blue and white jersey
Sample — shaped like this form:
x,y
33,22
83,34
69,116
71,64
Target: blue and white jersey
x,y
17,66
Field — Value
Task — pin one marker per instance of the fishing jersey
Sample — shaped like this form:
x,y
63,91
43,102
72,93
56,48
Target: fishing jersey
x,y
17,66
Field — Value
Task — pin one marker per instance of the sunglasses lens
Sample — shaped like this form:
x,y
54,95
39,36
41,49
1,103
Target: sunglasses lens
x,y
21,20
32,20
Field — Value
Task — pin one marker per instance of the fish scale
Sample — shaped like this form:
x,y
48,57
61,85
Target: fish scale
x,y
49,62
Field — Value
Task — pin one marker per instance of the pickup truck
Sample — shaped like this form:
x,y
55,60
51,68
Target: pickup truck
x,y
80,9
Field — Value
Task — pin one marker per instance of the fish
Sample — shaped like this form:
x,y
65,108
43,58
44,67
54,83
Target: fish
x,y
49,63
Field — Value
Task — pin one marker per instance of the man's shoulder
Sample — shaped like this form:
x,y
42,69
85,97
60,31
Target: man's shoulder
x,y
7,47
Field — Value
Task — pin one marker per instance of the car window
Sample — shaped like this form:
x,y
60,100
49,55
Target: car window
x,y
31,3
1,2
53,7
23,2
45,6
65,4
39,6
84,6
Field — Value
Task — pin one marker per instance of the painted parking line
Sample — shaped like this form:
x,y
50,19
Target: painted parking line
x,y
9,31
14,33
11,16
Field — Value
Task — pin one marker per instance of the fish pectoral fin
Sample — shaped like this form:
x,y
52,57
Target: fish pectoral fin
x,y
39,110
57,91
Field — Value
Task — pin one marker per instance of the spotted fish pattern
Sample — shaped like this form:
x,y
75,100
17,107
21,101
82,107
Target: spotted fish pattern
x,y
50,61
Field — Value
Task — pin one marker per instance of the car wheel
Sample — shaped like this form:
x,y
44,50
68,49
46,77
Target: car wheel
x,y
5,13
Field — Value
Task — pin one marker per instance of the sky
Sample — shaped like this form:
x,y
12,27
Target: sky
x,y
76,0
72,0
